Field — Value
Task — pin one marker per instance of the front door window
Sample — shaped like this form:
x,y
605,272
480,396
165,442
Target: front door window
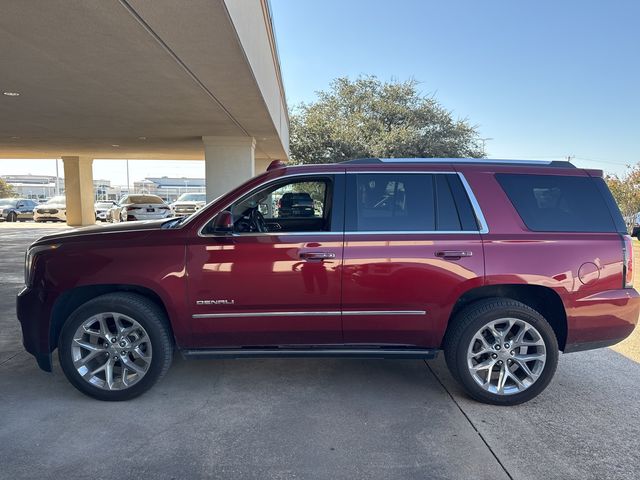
x,y
301,205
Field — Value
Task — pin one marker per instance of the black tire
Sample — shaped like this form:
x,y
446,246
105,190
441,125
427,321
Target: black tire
x,y
148,314
470,320
12,217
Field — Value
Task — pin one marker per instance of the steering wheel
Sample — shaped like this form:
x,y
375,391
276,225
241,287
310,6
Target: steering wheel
x,y
257,220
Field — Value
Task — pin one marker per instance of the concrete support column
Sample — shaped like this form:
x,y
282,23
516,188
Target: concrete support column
x,y
229,161
78,186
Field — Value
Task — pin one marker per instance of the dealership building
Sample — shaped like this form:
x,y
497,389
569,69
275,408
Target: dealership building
x,y
159,80
169,188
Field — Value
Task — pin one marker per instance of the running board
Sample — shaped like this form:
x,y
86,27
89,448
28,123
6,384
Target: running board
x,y
311,352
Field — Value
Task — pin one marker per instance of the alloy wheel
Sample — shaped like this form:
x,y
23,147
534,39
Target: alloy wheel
x,y
111,351
506,356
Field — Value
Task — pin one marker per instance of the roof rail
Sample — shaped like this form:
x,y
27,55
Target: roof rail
x,y
487,161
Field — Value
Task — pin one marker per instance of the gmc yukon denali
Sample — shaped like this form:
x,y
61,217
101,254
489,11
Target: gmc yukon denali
x,y
500,264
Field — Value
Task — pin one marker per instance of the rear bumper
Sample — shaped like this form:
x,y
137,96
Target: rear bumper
x,y
151,216
601,319
33,307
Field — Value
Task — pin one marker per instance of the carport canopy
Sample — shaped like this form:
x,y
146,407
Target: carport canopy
x,y
140,79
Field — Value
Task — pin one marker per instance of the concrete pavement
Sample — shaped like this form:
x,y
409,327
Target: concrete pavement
x,y
309,418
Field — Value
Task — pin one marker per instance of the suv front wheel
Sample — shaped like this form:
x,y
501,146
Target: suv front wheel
x,y
501,351
115,346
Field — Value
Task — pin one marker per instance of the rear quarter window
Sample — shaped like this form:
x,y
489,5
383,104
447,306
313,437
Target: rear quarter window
x,y
556,203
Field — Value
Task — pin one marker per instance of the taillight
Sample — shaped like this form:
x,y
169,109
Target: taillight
x,y
627,269
133,208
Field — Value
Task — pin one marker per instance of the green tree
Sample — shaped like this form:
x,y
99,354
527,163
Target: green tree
x,y
370,118
6,190
626,191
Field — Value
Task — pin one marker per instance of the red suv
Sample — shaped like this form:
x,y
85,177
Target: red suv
x,y
501,264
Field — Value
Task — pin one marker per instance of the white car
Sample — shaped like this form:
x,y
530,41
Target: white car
x,y
188,203
102,210
53,210
140,207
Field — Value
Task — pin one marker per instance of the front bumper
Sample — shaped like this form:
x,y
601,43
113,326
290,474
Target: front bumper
x,y
33,308
41,217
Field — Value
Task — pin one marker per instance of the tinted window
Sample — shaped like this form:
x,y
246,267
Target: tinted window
x,y
553,203
465,211
446,213
392,202
411,202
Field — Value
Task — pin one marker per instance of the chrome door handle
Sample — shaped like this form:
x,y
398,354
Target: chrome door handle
x,y
453,254
317,255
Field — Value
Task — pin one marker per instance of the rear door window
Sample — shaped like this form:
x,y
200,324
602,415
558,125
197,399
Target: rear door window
x,y
407,202
556,203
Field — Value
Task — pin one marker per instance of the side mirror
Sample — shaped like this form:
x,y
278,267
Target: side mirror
x,y
223,222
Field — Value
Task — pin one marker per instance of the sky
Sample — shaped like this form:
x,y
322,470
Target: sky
x,y
541,79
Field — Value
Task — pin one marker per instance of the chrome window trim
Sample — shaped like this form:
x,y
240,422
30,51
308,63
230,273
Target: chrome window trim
x,y
275,180
483,227
328,313
482,223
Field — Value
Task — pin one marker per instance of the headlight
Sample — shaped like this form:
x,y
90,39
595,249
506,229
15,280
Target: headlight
x,y
29,260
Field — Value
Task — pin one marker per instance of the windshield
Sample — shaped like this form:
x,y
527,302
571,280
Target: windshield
x,y
8,201
192,197
62,200
143,199
104,205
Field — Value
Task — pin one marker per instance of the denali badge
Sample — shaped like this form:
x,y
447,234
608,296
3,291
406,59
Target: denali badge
x,y
215,302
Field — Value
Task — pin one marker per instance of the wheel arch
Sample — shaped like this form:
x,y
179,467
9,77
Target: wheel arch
x,y
544,300
70,300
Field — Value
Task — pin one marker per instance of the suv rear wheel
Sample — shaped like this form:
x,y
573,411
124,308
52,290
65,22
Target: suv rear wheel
x,y
501,351
116,346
